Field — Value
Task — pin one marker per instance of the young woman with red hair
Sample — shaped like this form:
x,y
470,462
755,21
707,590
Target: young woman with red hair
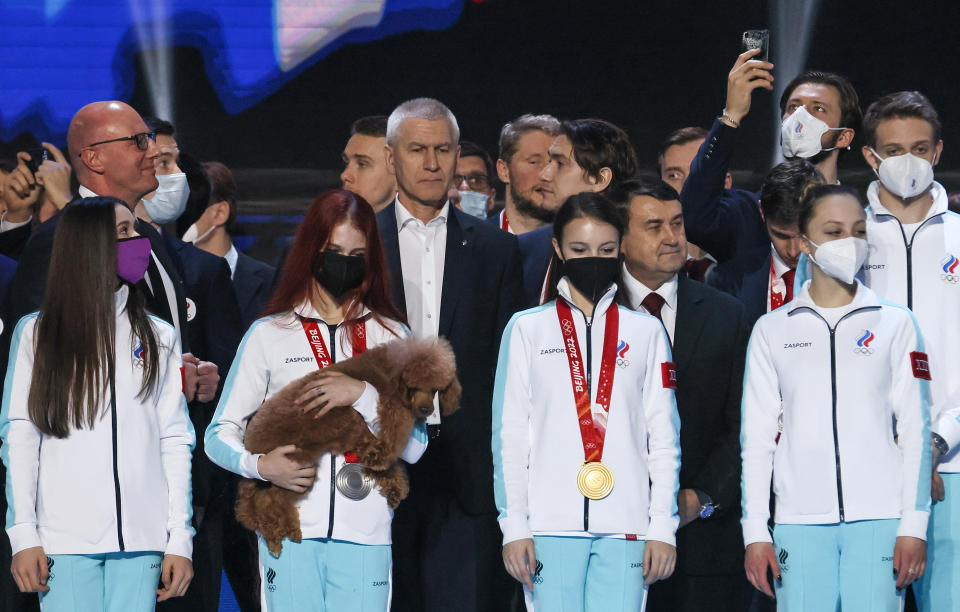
x,y
332,302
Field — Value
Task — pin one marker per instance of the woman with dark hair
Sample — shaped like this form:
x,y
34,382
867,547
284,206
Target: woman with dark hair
x,y
836,409
332,302
96,436
586,447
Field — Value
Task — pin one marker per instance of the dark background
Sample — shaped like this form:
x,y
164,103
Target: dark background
x,y
648,67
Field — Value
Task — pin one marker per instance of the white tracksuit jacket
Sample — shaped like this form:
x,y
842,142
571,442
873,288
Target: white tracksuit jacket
x,y
923,274
537,445
64,495
845,394
275,352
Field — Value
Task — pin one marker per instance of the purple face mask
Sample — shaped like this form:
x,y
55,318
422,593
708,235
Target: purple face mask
x,y
133,257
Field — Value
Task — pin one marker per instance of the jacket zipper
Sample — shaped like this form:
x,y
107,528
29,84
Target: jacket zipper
x,y
589,324
116,472
833,394
909,247
332,329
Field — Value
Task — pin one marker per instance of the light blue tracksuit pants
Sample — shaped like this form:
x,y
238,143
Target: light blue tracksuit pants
x,y
939,587
584,574
846,566
321,575
112,582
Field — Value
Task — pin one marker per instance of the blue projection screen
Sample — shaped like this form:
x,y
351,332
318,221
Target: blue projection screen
x,y
57,55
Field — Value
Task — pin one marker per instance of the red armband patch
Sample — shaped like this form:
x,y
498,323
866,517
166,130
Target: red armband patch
x,y
668,370
183,381
921,367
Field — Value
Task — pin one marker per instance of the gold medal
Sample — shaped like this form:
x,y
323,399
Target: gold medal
x,y
595,480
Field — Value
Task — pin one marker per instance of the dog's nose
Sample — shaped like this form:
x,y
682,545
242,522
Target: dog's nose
x,y
426,410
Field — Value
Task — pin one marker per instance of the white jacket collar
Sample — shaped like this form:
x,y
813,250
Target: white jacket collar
x,y
937,191
306,310
864,298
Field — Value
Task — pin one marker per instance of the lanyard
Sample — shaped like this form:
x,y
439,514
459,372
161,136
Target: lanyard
x,y
504,223
358,340
591,432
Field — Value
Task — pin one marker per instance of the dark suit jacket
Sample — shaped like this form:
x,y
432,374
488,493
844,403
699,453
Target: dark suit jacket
x,y
749,286
214,330
253,284
7,268
725,222
481,291
12,242
536,250
709,350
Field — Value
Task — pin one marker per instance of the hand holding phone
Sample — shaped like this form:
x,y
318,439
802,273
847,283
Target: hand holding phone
x,y
757,39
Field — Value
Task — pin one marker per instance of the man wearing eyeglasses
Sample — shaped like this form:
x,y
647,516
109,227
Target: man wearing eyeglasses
x,y
113,155
474,174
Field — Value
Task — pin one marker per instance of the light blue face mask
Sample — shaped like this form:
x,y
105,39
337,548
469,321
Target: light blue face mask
x,y
473,203
169,200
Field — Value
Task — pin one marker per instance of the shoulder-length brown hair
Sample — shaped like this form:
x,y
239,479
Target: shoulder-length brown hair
x,y
75,358
329,210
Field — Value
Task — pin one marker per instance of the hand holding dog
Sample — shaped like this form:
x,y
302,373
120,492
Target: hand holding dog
x,y
284,472
331,389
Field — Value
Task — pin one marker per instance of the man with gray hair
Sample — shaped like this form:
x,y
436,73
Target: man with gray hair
x,y
524,151
454,276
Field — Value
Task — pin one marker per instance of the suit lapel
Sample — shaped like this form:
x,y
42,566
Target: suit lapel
x,y
691,319
387,222
459,243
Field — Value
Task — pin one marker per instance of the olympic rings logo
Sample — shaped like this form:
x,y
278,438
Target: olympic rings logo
x,y
862,350
567,326
950,279
622,363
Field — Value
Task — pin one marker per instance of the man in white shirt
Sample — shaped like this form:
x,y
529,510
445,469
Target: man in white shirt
x,y
455,276
707,330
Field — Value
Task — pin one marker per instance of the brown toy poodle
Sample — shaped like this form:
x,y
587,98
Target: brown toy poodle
x,y
406,374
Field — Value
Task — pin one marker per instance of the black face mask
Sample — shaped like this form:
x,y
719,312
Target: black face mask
x,y
338,273
591,275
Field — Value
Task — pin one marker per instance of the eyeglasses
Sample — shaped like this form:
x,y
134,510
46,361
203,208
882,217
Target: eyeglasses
x,y
475,181
142,140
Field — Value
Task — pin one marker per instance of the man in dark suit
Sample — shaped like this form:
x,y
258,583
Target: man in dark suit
x,y
453,276
708,332
765,281
208,224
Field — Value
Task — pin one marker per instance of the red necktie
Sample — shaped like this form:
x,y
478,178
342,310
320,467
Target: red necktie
x,y
788,280
654,303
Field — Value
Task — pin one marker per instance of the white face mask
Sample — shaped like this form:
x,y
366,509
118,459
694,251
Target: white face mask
x,y
473,203
800,134
841,259
170,199
905,175
193,235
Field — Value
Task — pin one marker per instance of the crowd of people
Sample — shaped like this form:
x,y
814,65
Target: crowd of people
x,y
677,395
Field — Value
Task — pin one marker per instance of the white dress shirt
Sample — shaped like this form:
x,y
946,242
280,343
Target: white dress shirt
x,y
423,247
637,291
232,256
164,277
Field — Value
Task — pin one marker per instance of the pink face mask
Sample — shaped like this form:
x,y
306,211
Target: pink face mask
x,y
133,257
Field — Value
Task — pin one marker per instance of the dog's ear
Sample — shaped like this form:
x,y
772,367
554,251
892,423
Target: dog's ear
x,y
450,397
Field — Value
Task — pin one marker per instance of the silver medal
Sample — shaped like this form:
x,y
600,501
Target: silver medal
x,y
352,482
